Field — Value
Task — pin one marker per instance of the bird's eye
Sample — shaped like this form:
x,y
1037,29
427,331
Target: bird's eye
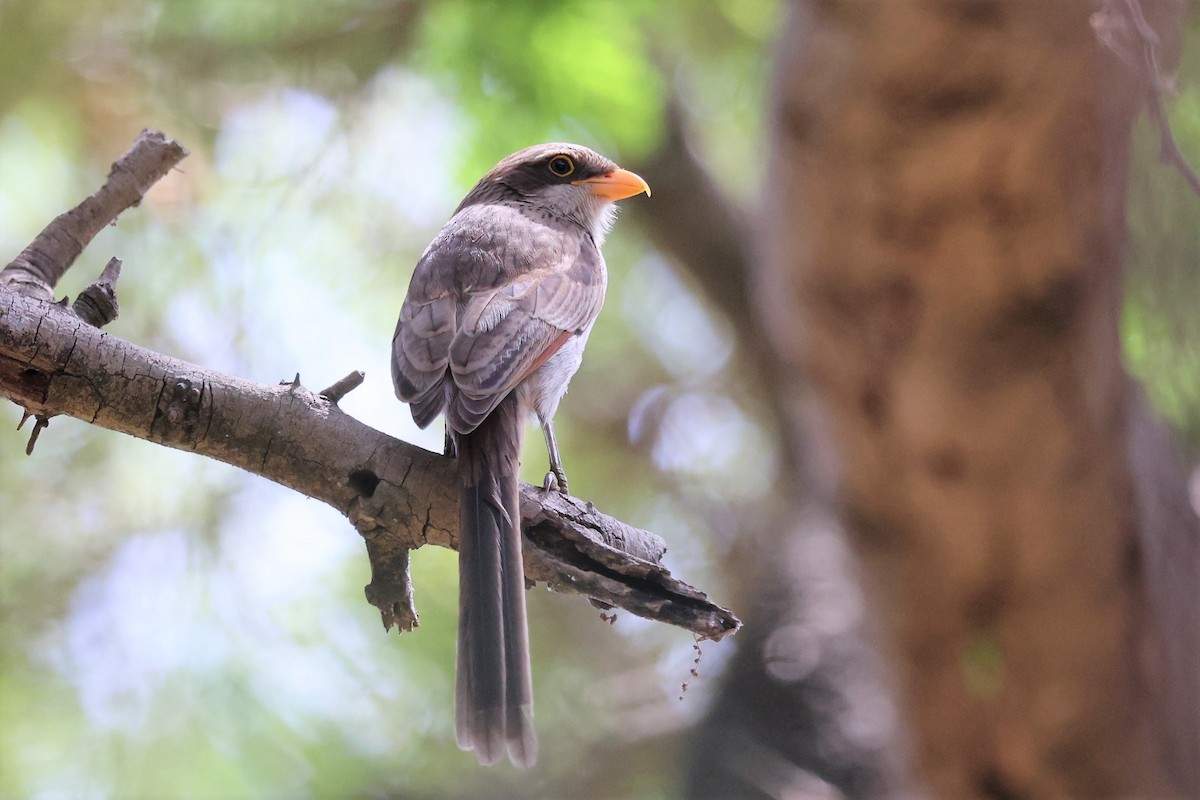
x,y
562,166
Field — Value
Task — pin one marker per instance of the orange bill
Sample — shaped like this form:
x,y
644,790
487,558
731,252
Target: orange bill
x,y
616,185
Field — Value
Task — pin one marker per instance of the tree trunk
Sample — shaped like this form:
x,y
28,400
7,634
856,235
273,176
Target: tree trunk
x,y
945,231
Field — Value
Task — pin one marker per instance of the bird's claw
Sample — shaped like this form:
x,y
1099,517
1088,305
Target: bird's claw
x,y
556,481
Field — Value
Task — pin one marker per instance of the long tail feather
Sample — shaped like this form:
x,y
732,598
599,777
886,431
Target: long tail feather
x,y
494,688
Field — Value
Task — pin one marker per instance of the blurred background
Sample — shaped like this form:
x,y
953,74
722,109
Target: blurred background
x,y
173,627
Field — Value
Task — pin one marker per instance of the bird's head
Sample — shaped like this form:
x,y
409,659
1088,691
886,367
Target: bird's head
x,y
563,180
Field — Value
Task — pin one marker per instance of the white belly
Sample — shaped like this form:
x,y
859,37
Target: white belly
x,y
544,389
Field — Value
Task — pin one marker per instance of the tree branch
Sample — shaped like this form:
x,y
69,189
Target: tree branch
x,y
42,264
397,495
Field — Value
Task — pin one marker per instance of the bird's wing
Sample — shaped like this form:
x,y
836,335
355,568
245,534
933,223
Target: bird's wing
x,y
421,343
494,296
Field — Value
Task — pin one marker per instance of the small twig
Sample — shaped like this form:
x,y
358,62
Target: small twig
x,y
39,267
344,387
1110,23
40,423
1168,147
97,304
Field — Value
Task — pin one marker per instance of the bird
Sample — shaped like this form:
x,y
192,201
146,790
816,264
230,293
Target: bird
x,y
493,327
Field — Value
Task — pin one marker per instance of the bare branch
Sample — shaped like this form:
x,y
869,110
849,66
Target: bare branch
x,y
397,495
1123,28
344,387
40,422
39,267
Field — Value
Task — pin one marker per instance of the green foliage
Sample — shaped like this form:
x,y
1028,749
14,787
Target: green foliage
x,y
586,63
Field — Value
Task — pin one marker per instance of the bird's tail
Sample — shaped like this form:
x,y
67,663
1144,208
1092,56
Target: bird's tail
x,y
493,705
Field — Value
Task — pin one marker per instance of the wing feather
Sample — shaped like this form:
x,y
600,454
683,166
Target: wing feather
x,y
494,296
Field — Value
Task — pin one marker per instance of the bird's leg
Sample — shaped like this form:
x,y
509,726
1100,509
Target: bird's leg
x,y
556,478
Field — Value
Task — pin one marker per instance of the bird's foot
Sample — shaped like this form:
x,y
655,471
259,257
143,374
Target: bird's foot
x,y
556,481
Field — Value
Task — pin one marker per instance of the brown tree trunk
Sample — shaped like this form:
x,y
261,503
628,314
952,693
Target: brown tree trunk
x,y
945,238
